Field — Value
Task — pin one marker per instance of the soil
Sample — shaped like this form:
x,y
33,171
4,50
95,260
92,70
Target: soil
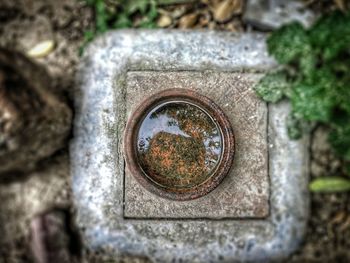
x,y
23,23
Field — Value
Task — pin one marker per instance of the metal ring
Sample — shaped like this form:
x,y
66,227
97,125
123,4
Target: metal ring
x,y
131,137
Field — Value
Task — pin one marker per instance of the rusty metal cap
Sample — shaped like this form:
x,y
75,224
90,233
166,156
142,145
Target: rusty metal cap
x,y
179,144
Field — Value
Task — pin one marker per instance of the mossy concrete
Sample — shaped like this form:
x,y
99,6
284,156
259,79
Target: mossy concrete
x,y
98,167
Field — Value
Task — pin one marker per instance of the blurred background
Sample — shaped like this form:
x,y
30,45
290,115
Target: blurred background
x,y
41,42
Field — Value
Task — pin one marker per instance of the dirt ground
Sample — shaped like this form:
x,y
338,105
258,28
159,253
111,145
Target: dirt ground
x,y
24,23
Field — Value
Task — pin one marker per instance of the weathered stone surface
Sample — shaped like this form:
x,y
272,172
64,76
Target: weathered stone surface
x,y
245,191
50,237
28,196
271,14
98,169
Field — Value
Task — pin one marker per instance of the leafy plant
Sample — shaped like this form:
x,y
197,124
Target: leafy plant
x,y
315,77
330,184
114,14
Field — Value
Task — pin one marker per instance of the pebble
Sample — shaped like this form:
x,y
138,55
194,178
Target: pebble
x,y
226,9
188,21
41,49
164,21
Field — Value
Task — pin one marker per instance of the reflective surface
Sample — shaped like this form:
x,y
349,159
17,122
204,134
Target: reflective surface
x,y
179,145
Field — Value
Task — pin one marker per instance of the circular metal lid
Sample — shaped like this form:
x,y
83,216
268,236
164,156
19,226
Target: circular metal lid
x,y
179,144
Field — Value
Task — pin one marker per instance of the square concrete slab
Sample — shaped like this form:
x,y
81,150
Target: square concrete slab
x,y
110,66
245,191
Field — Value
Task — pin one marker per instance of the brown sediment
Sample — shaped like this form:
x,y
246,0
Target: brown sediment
x,y
179,144
176,154
168,159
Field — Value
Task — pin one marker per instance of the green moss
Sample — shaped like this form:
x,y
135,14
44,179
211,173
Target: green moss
x,y
119,14
330,184
289,42
273,87
315,77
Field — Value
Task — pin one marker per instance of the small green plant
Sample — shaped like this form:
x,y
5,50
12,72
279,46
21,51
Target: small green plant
x,y
116,14
315,76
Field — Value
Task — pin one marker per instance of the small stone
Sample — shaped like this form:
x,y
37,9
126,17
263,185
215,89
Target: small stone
x,y
212,25
317,169
320,142
204,19
334,165
188,21
340,4
178,12
50,238
233,27
271,14
42,49
164,21
226,9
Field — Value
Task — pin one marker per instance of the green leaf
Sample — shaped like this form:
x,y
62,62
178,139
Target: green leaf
x,y
311,103
147,24
119,14
273,86
294,127
340,138
101,16
91,2
132,6
123,21
344,98
341,68
330,185
317,79
153,12
314,98
89,35
150,17
307,63
347,169
288,42
331,34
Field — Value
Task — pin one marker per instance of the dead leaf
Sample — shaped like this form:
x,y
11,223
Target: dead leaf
x,y
188,21
164,21
232,27
340,4
178,11
212,25
226,9
345,225
204,20
338,218
41,49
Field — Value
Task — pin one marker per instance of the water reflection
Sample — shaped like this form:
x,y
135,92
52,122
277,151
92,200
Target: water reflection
x,y
179,145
